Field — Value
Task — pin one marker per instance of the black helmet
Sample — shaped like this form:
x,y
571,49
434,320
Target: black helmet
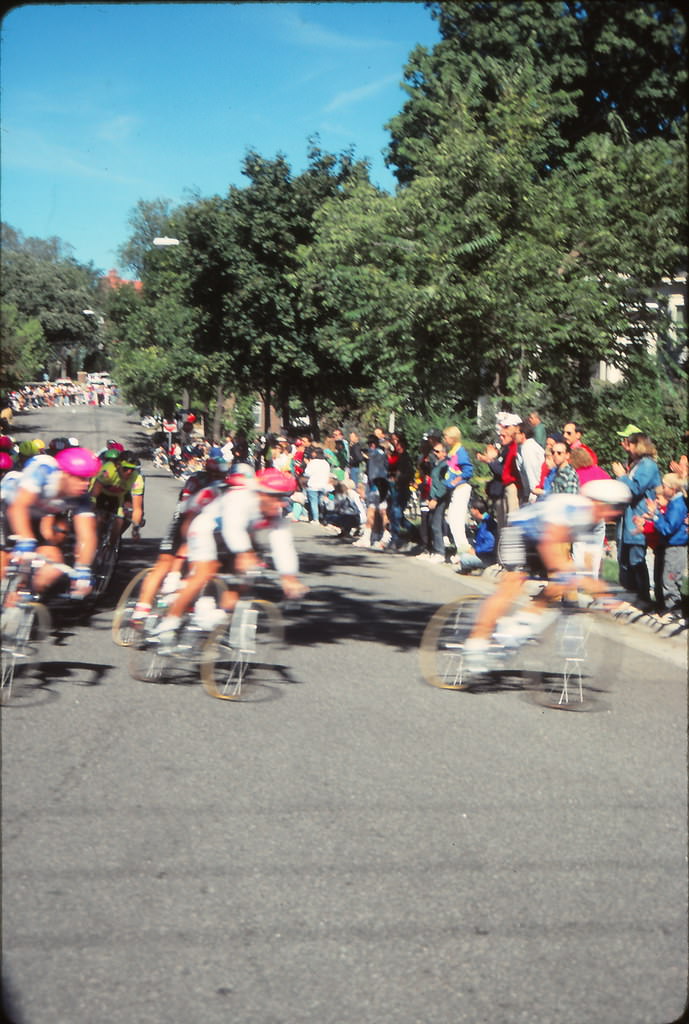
x,y
59,444
128,460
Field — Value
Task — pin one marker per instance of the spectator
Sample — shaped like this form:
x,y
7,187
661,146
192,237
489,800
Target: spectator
x,y
670,525
400,476
355,457
494,487
483,552
511,480
539,430
642,478
530,458
459,472
376,468
573,436
317,479
348,512
545,482
438,497
588,554
564,479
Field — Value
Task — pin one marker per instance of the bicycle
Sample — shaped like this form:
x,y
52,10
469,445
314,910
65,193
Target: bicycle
x,y
556,666
26,622
233,652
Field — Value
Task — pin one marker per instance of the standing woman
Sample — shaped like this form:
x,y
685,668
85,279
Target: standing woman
x,y
642,478
459,472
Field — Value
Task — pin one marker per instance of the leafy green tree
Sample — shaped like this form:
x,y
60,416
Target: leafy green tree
x,y
148,220
24,351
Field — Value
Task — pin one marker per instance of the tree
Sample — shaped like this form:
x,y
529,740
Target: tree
x,y
605,63
24,351
149,219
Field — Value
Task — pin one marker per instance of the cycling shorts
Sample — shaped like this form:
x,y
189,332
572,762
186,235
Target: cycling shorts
x,y
517,552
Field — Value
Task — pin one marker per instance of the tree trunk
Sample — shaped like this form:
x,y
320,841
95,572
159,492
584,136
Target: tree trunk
x,y
218,411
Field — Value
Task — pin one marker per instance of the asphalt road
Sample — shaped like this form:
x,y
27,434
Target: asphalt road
x,y
357,847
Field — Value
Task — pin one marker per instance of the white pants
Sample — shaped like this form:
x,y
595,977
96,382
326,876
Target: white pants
x,y
456,515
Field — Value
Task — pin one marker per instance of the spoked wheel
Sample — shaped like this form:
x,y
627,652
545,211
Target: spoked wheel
x,y
104,566
123,632
564,677
24,628
442,644
231,654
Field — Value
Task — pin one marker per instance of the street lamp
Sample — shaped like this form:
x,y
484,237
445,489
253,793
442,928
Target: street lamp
x,y
164,241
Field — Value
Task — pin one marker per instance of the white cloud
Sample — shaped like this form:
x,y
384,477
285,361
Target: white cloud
x,y
363,92
310,33
29,151
117,129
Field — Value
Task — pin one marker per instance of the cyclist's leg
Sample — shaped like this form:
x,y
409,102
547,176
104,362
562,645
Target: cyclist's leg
x,y
495,606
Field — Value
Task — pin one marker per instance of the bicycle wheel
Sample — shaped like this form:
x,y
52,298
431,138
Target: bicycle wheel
x,y
123,632
104,567
441,653
24,627
564,678
230,652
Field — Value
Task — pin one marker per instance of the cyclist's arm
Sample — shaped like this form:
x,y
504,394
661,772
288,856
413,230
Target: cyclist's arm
x,y
87,538
19,514
137,510
554,549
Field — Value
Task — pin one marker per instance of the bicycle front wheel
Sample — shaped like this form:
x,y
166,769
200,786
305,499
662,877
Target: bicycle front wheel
x,y
123,632
230,653
441,654
24,628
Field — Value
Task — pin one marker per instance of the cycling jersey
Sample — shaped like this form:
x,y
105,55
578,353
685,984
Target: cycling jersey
x,y
41,476
236,515
519,541
116,486
573,511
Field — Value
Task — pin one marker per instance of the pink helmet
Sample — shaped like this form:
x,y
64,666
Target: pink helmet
x,y
273,481
78,462
6,462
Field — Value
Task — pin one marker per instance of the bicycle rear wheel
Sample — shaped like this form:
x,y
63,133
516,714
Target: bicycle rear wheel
x,y
229,654
24,628
441,653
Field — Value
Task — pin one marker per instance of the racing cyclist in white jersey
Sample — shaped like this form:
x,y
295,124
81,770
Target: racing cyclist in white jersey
x,y
48,488
238,518
536,543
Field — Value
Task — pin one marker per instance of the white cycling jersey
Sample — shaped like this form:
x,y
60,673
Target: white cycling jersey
x,y
41,476
573,511
236,514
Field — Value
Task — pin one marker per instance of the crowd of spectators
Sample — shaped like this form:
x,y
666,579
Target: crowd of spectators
x,y
445,505
47,394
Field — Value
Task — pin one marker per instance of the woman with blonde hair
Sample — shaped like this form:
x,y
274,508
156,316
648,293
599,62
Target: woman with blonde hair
x,y
459,472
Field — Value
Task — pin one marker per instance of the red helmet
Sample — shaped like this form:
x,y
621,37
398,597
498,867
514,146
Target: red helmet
x,y
6,443
273,481
78,462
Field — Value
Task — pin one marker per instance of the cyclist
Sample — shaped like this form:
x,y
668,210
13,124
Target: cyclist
x,y
198,491
48,488
241,516
536,543
111,451
119,490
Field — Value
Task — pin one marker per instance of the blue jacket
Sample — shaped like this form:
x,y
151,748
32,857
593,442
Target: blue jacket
x,y
642,480
671,524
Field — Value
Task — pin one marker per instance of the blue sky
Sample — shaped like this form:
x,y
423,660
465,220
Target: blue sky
x,y
106,104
